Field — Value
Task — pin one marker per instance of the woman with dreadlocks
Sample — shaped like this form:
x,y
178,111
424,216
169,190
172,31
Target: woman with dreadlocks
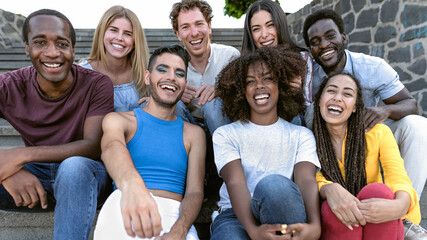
x,y
357,204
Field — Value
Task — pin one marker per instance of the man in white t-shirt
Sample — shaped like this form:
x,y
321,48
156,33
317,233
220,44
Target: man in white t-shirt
x,y
191,22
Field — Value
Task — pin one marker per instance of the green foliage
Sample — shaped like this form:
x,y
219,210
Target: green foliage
x,y
236,8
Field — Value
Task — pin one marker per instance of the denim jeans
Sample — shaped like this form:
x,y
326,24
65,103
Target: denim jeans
x,y
212,114
75,188
276,199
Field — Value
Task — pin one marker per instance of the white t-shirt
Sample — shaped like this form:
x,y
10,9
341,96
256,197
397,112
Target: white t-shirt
x,y
220,56
263,150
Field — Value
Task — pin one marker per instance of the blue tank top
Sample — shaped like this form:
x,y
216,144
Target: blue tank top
x,y
158,152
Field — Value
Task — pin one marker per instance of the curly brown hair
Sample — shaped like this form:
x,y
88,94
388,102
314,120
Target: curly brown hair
x,y
355,146
283,63
186,5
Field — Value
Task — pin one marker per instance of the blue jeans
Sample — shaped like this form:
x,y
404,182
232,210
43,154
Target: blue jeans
x,y
212,114
75,188
276,199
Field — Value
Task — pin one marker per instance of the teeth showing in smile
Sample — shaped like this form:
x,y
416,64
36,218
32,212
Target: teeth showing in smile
x,y
335,110
168,87
52,65
196,42
327,53
261,98
117,46
267,43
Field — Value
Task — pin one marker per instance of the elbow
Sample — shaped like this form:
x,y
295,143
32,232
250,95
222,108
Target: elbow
x,y
415,106
93,149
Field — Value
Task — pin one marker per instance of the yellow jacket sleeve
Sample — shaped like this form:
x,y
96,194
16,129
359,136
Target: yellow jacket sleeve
x,y
395,176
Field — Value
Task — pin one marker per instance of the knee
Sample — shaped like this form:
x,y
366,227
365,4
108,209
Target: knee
x,y
375,190
412,126
275,185
74,170
73,165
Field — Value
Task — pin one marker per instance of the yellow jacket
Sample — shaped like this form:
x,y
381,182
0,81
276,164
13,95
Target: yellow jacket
x,y
382,147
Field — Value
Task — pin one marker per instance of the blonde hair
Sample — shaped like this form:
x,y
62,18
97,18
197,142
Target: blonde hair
x,y
137,58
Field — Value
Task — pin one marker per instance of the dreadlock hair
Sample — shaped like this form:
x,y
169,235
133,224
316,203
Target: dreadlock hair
x,y
355,146
284,65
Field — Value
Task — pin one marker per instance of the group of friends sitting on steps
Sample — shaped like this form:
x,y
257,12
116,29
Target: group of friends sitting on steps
x,y
127,132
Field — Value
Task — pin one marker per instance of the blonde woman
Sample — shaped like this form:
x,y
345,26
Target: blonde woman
x,y
119,50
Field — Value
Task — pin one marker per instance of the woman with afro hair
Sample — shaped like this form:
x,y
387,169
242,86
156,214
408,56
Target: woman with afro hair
x,y
268,164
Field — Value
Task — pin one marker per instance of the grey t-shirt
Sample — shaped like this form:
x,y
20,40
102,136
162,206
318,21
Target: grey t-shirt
x,y
263,150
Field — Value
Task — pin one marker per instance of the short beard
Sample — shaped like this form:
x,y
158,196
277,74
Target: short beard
x,y
159,101
332,69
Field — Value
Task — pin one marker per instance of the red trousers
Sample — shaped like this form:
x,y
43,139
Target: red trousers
x,y
334,229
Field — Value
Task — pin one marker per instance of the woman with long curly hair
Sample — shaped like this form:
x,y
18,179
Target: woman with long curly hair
x,y
357,203
119,50
268,165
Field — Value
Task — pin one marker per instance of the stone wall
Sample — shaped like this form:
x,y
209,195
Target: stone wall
x,y
10,28
395,30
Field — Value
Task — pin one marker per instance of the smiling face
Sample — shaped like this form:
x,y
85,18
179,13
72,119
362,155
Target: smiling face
x,y
263,30
167,79
50,49
327,45
338,100
194,32
262,93
118,38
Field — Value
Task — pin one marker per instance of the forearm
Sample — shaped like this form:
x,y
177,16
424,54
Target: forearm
x,y
324,191
310,195
58,153
188,212
403,201
401,109
241,201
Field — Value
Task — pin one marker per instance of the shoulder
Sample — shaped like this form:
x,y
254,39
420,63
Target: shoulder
x,y
89,75
120,116
194,136
230,128
114,120
17,80
378,130
192,131
19,74
361,58
225,49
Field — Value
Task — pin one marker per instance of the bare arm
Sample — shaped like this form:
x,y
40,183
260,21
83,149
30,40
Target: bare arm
x,y
396,107
24,187
305,179
193,197
12,160
139,210
379,210
343,204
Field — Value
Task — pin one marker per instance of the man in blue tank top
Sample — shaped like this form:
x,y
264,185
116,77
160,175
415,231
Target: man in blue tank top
x,y
155,159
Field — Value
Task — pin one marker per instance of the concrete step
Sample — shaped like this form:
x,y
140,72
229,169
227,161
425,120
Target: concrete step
x,y
9,137
34,226
15,58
